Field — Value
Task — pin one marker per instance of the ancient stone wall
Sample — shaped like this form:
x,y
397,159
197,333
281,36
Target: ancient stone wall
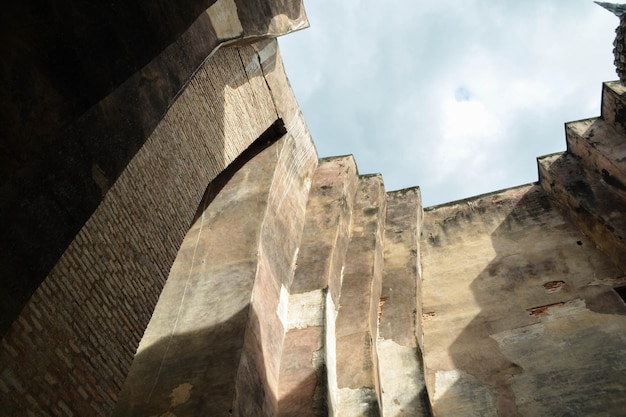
x,y
73,342
301,288
519,313
83,86
107,149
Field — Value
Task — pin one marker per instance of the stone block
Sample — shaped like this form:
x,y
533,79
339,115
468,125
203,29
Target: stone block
x,y
195,338
302,384
356,390
588,201
601,148
400,359
613,108
327,226
257,392
123,254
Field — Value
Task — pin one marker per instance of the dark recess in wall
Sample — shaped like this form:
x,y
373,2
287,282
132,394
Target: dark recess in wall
x,y
58,59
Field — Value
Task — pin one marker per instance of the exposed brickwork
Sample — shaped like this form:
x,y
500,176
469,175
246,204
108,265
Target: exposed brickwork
x,y
69,128
75,339
516,310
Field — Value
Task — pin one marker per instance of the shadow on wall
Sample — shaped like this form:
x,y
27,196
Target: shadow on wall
x,y
60,58
421,400
84,85
129,260
208,372
190,374
538,346
206,333
59,155
108,280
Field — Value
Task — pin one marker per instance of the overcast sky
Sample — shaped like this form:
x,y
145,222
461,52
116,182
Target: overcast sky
x,y
458,97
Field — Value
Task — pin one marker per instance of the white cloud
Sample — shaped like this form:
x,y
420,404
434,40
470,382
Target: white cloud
x,y
469,133
379,80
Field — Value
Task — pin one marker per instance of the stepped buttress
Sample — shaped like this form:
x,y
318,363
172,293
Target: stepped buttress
x,y
92,309
588,182
601,148
588,201
256,390
193,343
302,381
613,109
353,384
399,357
206,343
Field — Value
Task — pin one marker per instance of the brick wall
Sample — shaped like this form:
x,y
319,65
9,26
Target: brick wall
x,y
70,349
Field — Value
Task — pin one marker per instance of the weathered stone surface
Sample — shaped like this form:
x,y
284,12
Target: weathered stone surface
x,y
490,314
402,380
326,232
600,148
256,391
613,108
572,358
355,392
196,333
302,384
95,304
228,275
83,87
403,222
517,314
595,207
400,359
477,399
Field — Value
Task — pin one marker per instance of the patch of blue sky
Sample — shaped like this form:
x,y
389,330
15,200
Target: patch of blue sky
x,y
462,94
458,97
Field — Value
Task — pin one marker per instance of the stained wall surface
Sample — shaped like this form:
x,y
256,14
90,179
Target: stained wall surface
x,y
83,85
513,309
115,118
519,312
72,345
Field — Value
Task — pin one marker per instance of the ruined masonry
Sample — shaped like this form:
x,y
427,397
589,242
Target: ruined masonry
x,y
173,246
